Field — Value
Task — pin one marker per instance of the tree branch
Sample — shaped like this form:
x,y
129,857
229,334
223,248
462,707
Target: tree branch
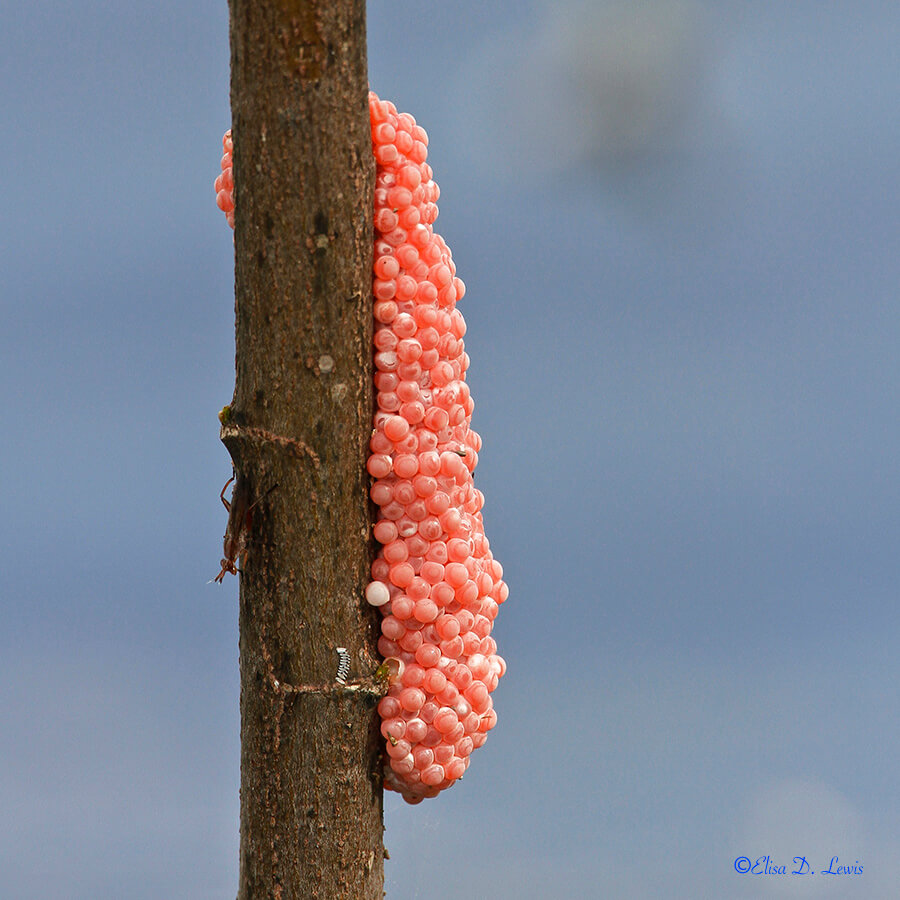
x,y
311,799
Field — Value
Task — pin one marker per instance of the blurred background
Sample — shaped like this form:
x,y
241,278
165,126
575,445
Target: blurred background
x,y
678,225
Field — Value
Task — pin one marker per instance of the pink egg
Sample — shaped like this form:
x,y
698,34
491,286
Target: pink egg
x,y
412,699
433,775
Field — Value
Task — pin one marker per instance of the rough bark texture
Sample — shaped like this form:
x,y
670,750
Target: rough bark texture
x,y
297,430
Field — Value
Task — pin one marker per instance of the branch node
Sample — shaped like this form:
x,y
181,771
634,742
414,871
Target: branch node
x,y
297,448
363,686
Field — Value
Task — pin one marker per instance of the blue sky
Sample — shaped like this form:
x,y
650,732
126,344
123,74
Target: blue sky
x,y
677,222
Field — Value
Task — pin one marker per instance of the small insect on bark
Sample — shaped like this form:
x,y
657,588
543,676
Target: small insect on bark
x,y
240,518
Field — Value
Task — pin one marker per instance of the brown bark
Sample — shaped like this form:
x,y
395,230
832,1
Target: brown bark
x,y
297,430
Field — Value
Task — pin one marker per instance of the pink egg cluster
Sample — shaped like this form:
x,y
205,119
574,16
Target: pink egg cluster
x,y
225,181
434,579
